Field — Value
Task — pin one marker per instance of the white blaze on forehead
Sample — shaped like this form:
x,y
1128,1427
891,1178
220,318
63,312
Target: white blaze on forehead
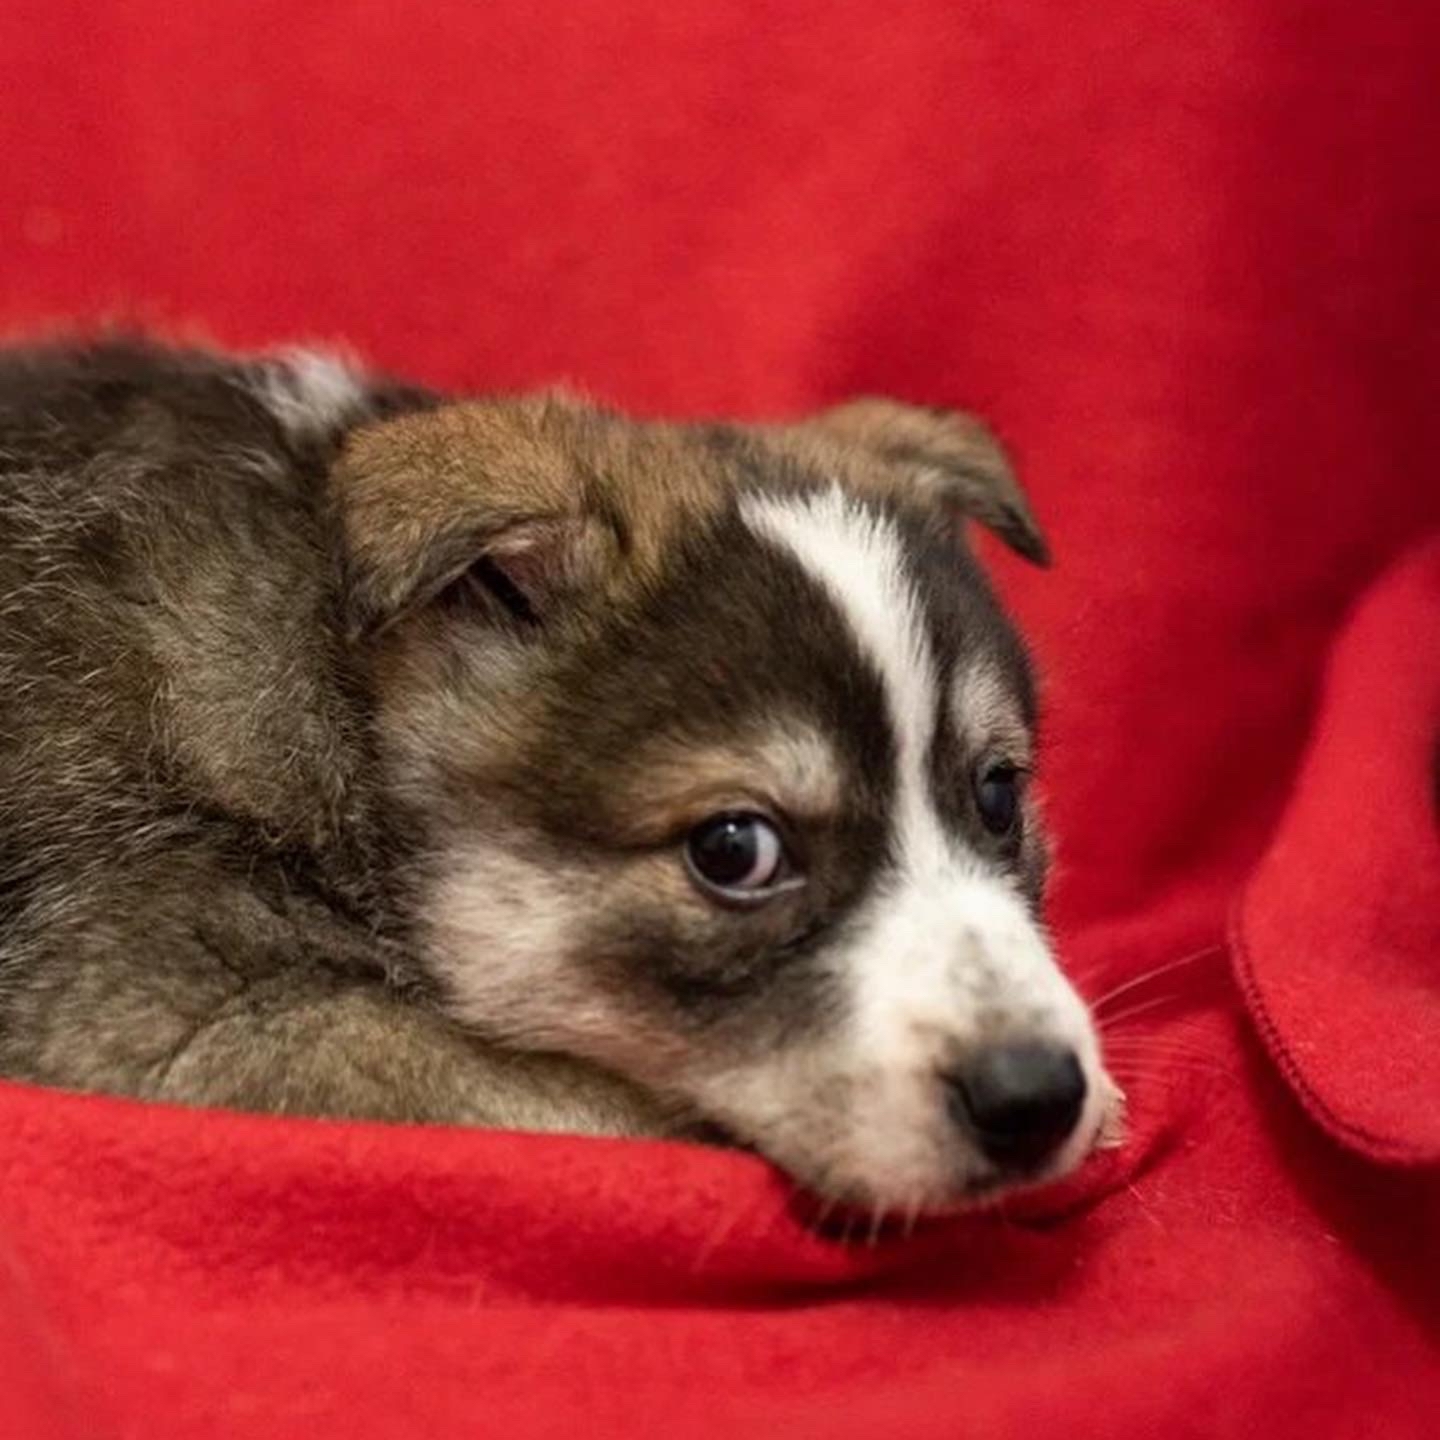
x,y
857,556
944,955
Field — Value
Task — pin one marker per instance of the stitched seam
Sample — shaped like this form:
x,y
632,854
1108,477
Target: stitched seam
x,y
1380,1147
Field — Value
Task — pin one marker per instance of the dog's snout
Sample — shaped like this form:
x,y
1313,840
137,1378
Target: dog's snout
x,y
1020,1101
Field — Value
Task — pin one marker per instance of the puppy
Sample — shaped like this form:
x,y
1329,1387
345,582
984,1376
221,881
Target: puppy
x,y
508,762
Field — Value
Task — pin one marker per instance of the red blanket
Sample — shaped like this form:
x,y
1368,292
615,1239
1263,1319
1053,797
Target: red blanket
x,y
1185,254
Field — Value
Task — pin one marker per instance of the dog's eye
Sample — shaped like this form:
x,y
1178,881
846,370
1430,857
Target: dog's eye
x,y
741,856
997,797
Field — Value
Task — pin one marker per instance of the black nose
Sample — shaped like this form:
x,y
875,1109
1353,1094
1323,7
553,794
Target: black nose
x,y
1019,1101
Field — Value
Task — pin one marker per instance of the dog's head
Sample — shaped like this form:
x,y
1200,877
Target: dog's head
x,y
719,746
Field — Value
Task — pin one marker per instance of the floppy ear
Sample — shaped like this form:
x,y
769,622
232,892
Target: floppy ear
x,y
941,458
473,503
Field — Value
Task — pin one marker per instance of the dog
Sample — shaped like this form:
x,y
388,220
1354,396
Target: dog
x,y
367,752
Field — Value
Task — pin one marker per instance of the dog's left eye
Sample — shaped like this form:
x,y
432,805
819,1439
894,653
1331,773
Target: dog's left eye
x,y
738,855
997,797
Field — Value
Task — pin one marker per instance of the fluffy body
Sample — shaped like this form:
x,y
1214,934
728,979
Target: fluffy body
x,y
349,740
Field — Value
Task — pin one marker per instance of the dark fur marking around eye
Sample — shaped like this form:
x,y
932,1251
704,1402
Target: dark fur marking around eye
x,y
761,985
737,628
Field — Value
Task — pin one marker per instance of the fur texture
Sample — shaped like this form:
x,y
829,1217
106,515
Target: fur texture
x,y
350,742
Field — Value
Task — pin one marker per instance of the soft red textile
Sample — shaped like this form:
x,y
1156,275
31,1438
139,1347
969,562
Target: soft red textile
x,y
1185,255
1354,877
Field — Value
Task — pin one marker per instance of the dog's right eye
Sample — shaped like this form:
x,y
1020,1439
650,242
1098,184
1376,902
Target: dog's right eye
x,y
997,797
737,856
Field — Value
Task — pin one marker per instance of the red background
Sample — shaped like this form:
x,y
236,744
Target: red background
x,y
1185,256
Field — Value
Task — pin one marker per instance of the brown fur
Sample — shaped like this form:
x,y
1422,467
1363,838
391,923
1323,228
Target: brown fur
x,y
260,669
419,496
936,462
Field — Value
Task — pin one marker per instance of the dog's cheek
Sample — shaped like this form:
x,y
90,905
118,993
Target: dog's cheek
x,y
681,955
505,934
733,980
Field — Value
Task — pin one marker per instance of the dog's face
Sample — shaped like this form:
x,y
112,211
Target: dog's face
x,y
719,747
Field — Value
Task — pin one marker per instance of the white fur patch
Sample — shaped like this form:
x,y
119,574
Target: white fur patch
x,y
502,932
509,934
857,556
945,957
311,393
941,958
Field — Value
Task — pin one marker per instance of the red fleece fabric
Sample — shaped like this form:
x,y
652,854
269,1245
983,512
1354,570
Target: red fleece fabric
x,y
1185,256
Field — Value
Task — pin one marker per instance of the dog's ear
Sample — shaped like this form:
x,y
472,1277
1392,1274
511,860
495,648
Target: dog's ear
x,y
477,504
944,460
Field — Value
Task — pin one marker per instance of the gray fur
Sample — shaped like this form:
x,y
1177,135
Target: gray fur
x,y
341,727
194,865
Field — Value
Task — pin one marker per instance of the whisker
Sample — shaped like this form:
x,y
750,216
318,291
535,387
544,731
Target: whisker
x,y
912,1216
1168,1035
1134,1078
1145,1067
1189,1023
1148,1067
827,1209
1141,1007
1137,1043
1200,1039
1157,1045
877,1219
1208,953
1144,1208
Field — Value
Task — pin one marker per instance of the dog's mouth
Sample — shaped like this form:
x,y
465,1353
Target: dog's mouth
x,y
851,1214
846,1214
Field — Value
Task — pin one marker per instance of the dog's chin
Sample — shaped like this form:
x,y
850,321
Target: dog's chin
x,y
856,1214
874,1205
859,1207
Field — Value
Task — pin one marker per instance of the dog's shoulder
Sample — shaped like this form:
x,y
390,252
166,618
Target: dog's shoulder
x,y
168,600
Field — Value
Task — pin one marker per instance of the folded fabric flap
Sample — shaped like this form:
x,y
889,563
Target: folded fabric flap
x,y
1337,936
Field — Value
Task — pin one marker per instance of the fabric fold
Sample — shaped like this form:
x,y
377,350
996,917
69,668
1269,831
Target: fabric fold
x,y
1337,935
